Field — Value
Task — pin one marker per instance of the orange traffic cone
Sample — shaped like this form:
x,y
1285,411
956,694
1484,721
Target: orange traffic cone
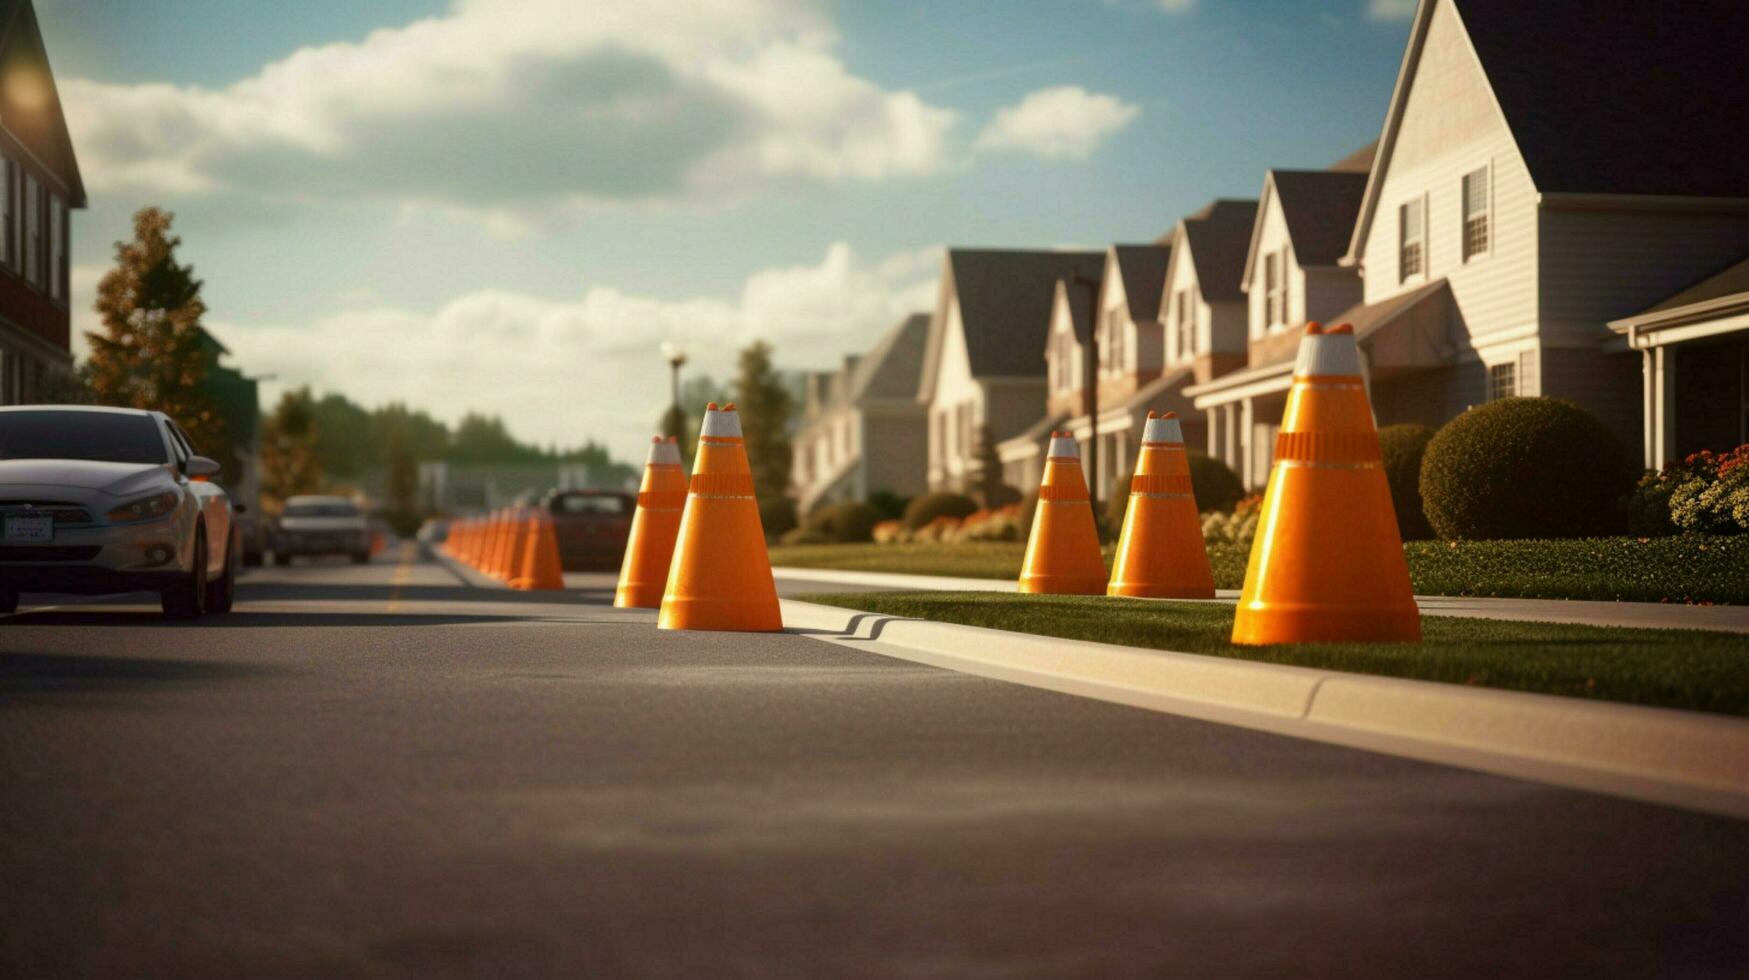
x,y
539,566
650,545
494,563
515,539
720,578
1327,565
1062,553
1160,554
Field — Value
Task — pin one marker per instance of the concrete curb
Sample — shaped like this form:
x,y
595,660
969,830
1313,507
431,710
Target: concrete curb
x,y
1676,758
1580,612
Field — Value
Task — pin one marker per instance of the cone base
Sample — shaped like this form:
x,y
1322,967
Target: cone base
x,y
530,585
1062,585
639,596
725,615
1278,624
1143,590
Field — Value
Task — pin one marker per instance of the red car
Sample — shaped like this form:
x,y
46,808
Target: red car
x,y
592,527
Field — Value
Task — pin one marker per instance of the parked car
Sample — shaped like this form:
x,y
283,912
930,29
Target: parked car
x,y
592,527
252,530
321,525
95,501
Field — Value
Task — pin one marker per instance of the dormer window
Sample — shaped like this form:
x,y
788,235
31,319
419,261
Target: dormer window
x,y
1475,213
1411,239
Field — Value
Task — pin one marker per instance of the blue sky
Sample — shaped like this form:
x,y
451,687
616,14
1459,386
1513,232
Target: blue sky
x,y
507,205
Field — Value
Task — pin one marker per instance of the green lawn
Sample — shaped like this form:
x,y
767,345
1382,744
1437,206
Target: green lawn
x,y
1685,568
1688,669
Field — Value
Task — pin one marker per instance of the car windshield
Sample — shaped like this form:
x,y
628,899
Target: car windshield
x,y
322,508
109,437
591,505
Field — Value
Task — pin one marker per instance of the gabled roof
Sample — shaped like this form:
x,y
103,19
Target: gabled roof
x,y
1005,299
1143,270
1217,238
1634,98
1729,287
893,367
30,105
1359,162
1319,207
1642,100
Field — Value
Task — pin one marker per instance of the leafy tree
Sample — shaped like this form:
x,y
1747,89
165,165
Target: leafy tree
x,y
152,351
403,482
765,403
991,491
288,448
345,449
695,393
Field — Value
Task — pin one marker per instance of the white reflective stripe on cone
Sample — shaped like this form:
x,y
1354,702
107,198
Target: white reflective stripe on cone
x,y
1328,355
1162,430
663,453
1064,446
724,425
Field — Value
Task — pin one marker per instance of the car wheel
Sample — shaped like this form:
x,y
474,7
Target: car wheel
x,y
187,599
221,594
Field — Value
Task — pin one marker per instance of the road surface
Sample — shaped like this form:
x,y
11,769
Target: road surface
x,y
381,771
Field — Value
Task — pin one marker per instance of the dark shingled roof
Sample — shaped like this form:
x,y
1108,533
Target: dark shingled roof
x,y
1360,161
1219,236
1320,207
1730,281
893,368
1621,98
29,103
1143,269
1005,303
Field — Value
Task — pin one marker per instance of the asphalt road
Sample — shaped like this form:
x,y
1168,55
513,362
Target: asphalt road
x,y
380,771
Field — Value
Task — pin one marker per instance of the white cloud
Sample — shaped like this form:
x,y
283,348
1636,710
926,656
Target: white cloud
x,y
566,369
1390,9
1065,121
513,108
1175,6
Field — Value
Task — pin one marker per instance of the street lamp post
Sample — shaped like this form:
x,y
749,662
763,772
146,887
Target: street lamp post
x,y
676,359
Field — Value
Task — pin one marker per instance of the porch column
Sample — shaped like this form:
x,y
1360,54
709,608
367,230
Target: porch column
x,y
1214,413
1246,437
1230,433
1663,406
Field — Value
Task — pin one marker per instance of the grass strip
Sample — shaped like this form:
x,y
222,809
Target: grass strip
x,y
1687,669
1684,568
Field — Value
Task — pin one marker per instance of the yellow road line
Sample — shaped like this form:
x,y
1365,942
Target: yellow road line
x,y
403,574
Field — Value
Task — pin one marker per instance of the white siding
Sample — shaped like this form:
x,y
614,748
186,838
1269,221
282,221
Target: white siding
x,y
1451,126
1181,274
1272,238
956,392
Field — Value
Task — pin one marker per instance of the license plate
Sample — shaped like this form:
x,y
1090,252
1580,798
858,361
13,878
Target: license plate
x,y
30,527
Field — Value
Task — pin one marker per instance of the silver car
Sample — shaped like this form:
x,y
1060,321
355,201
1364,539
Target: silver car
x,y
313,524
106,500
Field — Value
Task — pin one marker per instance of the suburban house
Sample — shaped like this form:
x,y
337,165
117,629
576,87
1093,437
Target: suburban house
x,y
1126,368
862,428
1520,203
984,366
39,185
1291,274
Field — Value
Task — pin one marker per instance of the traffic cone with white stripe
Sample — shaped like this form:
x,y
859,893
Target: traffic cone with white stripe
x,y
720,578
650,545
1327,565
1062,552
1160,554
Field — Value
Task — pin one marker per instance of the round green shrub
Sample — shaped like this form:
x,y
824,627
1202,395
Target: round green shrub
x,y
849,522
1524,468
921,510
1402,447
890,505
1214,484
777,515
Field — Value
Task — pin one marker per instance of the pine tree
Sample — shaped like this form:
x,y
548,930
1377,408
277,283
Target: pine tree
x,y
152,352
765,404
288,448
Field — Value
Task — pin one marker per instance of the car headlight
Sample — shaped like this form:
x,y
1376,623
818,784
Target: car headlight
x,y
143,509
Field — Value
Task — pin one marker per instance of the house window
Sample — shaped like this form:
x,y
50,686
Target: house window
x,y
57,247
1503,380
8,213
33,231
1186,323
1475,213
1411,239
1274,293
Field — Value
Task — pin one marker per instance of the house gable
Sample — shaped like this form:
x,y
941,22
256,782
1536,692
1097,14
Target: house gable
x,y
30,104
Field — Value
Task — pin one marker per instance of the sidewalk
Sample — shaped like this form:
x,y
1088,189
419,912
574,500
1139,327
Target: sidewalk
x,y
1625,615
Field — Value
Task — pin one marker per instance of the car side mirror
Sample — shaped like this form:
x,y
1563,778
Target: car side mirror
x,y
199,467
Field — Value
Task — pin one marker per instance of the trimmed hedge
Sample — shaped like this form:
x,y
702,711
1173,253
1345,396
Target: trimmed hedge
x,y
921,510
1524,468
1214,484
849,522
777,515
1402,447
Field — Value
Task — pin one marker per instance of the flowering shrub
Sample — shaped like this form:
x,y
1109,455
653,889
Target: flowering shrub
x,y
891,532
1706,493
1238,527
